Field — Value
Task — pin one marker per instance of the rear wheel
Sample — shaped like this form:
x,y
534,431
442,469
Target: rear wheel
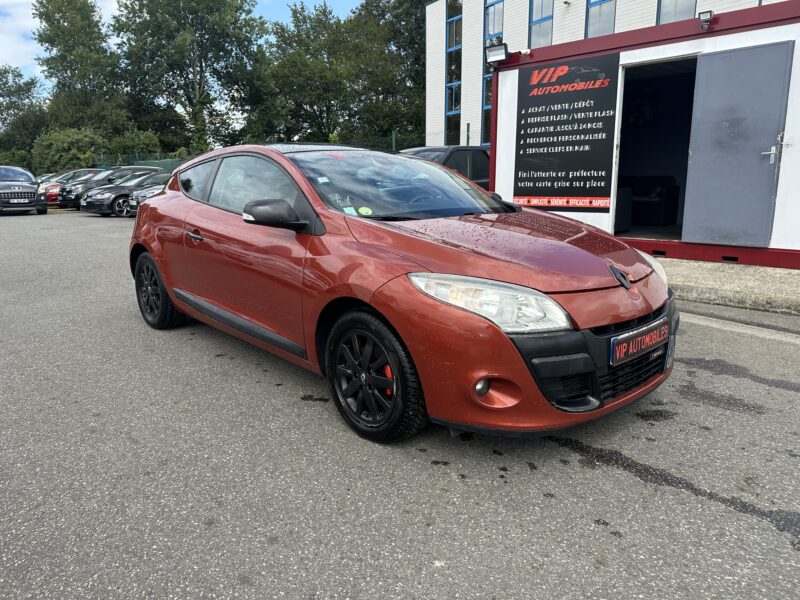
x,y
155,305
373,380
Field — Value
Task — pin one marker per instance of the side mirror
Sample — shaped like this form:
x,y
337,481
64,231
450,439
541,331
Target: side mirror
x,y
273,213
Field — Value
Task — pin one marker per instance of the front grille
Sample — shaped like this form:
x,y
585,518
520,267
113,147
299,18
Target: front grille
x,y
624,378
17,195
624,326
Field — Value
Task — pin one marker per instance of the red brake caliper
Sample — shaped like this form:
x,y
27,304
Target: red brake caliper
x,y
387,370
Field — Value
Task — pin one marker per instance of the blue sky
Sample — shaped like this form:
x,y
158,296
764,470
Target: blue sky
x,y
19,49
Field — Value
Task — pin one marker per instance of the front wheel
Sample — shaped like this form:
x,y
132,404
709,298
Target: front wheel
x,y
41,211
121,208
155,304
373,380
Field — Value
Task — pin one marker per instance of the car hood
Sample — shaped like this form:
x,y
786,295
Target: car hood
x,y
17,186
530,248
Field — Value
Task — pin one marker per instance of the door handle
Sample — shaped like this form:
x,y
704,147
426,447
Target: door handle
x,y
194,236
772,152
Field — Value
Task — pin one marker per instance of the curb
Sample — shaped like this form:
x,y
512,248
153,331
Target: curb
x,y
734,299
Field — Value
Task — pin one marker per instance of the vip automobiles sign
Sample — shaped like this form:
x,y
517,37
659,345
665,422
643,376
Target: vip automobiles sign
x,y
565,139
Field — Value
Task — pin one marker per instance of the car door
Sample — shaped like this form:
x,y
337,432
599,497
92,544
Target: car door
x,y
240,271
172,210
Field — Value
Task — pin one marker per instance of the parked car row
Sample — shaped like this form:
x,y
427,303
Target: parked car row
x,y
102,191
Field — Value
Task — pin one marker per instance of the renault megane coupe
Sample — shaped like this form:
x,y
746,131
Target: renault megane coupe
x,y
418,295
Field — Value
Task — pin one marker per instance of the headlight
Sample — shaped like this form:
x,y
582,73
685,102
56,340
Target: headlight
x,y
657,266
513,308
103,195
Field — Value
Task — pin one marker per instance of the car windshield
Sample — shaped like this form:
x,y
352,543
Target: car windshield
x,y
102,175
84,176
15,175
134,179
391,187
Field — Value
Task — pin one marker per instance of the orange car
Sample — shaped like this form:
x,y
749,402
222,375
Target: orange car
x,y
415,293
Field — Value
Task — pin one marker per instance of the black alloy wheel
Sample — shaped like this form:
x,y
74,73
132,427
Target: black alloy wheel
x,y
154,302
373,379
365,382
120,206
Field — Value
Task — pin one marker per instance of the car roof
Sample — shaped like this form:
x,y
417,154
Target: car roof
x,y
137,168
310,147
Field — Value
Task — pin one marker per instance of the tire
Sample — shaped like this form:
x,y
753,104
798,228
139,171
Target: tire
x,y
120,206
375,388
41,211
154,302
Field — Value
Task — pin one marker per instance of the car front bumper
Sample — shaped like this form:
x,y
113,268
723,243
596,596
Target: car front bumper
x,y
537,382
6,206
100,207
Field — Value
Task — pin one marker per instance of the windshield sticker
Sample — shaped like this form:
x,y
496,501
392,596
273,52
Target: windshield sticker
x,y
335,155
365,210
350,210
322,180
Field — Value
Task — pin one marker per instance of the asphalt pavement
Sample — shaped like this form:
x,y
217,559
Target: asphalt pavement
x,y
189,464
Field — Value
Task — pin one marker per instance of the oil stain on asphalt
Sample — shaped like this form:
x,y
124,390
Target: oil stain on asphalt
x,y
717,366
784,521
724,401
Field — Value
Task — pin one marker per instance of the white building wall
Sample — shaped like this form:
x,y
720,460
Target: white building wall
x,y
719,6
635,14
434,72
569,21
472,71
516,16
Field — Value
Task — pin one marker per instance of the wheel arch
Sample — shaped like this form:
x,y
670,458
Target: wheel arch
x,y
331,313
136,251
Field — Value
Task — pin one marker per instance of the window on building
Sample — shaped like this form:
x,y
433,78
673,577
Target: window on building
x,y
676,10
541,32
492,35
493,24
600,17
453,76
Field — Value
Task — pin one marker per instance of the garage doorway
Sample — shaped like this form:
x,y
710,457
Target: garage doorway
x,y
655,131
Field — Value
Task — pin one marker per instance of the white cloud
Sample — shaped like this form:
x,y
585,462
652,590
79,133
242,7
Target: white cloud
x,y
17,45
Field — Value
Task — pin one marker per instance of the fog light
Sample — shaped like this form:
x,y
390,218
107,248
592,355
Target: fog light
x,y
482,387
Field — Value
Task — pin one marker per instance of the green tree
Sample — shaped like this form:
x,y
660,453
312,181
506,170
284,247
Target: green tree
x,y
311,72
17,94
63,149
390,90
16,158
26,126
187,53
79,60
135,142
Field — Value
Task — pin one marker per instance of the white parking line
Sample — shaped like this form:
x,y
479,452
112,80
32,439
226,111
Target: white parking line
x,y
762,332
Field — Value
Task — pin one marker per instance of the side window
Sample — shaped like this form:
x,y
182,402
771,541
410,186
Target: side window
x,y
195,179
241,179
480,165
458,161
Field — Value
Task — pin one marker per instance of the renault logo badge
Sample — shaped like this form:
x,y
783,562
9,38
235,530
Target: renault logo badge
x,y
620,276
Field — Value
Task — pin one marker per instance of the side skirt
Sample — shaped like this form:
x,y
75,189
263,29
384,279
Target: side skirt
x,y
241,324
